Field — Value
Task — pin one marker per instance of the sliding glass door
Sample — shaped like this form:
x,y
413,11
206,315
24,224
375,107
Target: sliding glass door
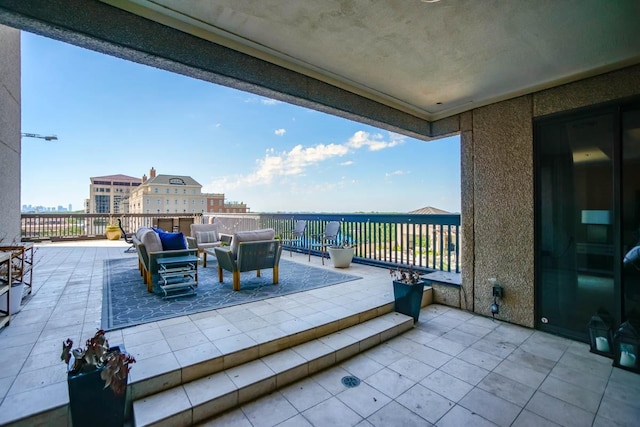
x,y
630,211
587,218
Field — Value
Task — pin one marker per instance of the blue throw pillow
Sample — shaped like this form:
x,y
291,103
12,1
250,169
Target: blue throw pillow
x,y
157,230
172,241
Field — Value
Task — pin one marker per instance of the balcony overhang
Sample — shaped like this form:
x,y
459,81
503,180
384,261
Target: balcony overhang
x,y
400,66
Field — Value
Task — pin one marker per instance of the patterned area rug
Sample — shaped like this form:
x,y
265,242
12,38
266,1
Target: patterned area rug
x,y
126,301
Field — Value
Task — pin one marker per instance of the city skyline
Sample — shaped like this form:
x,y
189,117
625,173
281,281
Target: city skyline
x,y
41,208
113,116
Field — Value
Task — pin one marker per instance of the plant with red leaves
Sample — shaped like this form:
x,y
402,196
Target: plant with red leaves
x,y
97,355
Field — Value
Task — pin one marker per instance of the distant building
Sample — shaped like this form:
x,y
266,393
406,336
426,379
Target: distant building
x,y
436,237
177,194
110,194
429,210
43,209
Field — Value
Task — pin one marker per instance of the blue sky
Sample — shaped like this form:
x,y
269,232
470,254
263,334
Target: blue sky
x,y
118,117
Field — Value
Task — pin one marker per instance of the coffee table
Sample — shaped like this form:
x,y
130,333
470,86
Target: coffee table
x,y
178,275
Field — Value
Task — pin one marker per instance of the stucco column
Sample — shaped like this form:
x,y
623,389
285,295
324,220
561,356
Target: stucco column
x,y
9,135
503,204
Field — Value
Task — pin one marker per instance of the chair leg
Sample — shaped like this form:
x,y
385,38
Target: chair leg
x,y
204,259
258,273
275,275
236,280
220,274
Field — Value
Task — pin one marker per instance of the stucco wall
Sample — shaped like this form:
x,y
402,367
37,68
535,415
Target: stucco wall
x,y
497,189
9,135
503,207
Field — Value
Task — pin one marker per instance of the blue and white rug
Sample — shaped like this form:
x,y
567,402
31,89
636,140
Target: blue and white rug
x,y
126,301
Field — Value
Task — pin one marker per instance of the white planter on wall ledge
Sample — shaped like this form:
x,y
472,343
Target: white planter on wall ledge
x,y
341,257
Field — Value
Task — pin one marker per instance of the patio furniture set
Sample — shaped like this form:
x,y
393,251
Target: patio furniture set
x,y
168,261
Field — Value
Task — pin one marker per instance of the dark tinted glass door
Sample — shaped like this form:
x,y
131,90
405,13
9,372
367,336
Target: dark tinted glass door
x,y
575,222
630,221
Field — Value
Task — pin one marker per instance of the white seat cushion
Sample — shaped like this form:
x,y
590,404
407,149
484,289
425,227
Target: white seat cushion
x,y
207,237
151,241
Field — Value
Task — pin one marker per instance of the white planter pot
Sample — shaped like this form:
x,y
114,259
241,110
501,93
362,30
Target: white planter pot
x,y
15,299
341,257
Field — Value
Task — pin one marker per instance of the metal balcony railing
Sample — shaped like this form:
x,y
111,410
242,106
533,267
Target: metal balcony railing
x,y
423,242
38,227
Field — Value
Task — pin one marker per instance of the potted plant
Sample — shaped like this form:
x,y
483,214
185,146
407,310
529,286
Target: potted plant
x,y
112,231
342,254
408,288
97,378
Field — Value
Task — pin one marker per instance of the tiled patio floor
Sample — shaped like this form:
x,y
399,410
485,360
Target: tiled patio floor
x,y
453,368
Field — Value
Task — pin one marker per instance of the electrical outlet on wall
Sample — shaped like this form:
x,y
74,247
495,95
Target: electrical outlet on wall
x,y
498,291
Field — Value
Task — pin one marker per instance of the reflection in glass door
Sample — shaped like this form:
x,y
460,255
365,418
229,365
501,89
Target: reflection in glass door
x,y
575,222
630,221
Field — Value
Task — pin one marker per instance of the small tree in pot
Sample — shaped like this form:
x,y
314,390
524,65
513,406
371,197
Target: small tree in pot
x,y
97,377
408,288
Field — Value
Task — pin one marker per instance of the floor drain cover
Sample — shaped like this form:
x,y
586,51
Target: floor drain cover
x,y
350,381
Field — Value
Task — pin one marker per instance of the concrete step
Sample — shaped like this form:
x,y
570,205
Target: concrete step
x,y
149,378
197,400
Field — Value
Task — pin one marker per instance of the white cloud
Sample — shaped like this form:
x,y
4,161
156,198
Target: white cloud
x,y
263,101
396,172
374,142
296,161
280,132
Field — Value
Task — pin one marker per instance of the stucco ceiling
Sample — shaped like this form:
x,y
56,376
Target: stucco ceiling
x,y
429,59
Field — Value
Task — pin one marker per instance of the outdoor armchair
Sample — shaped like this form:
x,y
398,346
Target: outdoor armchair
x,y
128,237
149,251
204,236
295,236
322,240
249,251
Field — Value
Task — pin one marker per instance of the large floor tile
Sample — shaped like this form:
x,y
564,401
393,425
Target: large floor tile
x,y
578,396
424,402
332,412
619,412
559,411
394,414
464,371
390,382
459,416
364,399
446,385
529,419
520,373
490,407
506,388
269,411
411,368
305,394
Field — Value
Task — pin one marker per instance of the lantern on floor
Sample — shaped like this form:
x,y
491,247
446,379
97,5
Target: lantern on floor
x,y
625,348
601,335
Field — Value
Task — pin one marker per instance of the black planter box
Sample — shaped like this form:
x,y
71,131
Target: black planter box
x,y
91,403
408,298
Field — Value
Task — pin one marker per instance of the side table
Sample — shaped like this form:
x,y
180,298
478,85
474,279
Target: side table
x,y
5,287
22,260
178,276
